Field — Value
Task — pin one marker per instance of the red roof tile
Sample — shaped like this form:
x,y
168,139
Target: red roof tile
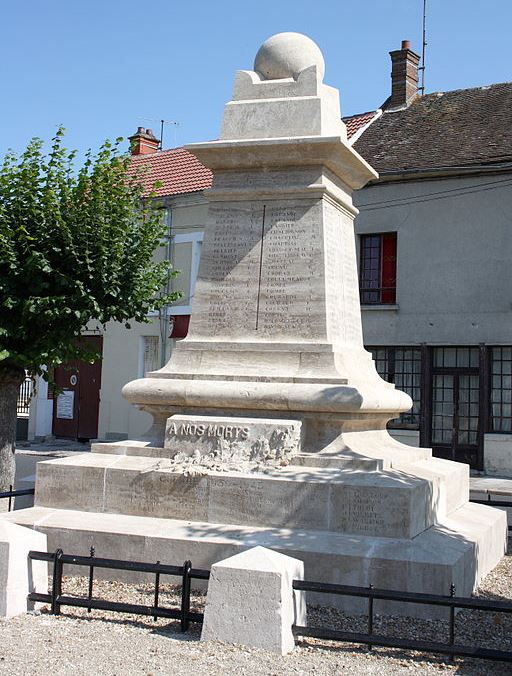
x,y
356,122
177,170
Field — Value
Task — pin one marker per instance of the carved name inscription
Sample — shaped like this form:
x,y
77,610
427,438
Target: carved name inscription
x,y
229,268
290,288
361,511
262,274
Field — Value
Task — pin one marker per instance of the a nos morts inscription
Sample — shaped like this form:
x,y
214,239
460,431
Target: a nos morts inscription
x,y
226,438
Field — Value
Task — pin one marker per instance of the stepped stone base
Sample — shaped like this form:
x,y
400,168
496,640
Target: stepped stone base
x,y
397,503
461,549
355,520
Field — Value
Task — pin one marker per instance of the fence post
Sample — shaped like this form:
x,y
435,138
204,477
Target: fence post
x,y
91,576
57,581
185,596
452,619
157,590
370,614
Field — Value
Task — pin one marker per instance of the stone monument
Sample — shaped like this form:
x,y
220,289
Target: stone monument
x,y
270,418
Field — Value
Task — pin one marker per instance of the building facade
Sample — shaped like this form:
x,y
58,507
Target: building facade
x,y
435,244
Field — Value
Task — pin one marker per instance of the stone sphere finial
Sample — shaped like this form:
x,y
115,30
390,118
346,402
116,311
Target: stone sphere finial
x,y
286,55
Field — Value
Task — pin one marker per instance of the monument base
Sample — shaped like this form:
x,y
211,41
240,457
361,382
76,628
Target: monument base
x,y
460,550
395,525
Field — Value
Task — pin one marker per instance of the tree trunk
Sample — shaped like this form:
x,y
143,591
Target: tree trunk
x,y
10,381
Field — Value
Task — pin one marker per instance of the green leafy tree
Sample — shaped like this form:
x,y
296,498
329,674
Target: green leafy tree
x,y
75,245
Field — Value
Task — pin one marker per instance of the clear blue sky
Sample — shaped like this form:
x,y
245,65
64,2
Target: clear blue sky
x,y
103,68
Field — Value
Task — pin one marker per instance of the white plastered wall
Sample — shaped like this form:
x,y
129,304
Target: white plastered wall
x,y
122,347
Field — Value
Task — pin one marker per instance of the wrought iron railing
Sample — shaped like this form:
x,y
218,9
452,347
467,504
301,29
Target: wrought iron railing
x,y
370,638
10,494
187,573
24,397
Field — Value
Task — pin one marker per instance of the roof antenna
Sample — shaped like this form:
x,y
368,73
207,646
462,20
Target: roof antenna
x,y
423,48
162,123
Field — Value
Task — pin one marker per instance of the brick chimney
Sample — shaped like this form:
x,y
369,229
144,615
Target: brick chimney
x,y
404,76
143,142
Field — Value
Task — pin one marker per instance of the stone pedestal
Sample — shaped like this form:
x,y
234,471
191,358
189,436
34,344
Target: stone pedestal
x,y
18,574
275,355
251,601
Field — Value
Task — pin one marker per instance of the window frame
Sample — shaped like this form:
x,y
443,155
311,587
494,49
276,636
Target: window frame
x,y
196,239
491,428
390,360
385,295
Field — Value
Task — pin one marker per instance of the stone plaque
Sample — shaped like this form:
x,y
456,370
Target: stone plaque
x,y
230,439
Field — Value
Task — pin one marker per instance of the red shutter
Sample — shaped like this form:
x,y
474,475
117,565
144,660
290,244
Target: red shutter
x,y
389,267
180,326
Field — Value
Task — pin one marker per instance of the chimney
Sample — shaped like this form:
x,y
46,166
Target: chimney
x,y
404,76
143,142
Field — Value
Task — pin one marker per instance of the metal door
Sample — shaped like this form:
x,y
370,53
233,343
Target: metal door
x,y
76,408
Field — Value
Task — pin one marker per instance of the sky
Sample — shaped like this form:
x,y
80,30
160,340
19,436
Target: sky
x,y
103,68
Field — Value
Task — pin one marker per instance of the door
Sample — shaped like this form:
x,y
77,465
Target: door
x,y
455,415
76,408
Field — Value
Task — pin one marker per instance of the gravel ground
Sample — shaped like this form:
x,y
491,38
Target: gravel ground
x,y
113,644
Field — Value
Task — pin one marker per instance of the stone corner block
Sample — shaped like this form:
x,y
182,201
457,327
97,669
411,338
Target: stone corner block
x,y
251,601
18,574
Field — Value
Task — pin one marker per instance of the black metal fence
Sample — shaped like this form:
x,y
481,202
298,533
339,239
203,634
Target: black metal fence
x,y
57,599
451,602
24,396
10,494
187,573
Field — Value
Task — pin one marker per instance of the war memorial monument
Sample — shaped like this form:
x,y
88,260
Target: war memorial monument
x,y
270,418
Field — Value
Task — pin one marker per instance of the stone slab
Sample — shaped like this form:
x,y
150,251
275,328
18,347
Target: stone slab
x,y
389,503
262,605
461,549
233,438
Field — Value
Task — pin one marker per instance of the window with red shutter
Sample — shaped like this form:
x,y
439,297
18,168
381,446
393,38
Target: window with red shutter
x,y
378,269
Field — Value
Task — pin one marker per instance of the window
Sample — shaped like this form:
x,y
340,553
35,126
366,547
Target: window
x,y
186,258
401,366
501,389
456,357
378,269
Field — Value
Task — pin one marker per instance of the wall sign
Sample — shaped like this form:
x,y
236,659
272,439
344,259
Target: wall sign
x,y
65,405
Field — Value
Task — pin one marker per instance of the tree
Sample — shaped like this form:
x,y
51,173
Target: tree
x,y
74,246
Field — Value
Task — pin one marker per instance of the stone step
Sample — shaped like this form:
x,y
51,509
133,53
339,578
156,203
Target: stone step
x,y
461,549
391,503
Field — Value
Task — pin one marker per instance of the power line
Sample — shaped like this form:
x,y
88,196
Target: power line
x,y
441,194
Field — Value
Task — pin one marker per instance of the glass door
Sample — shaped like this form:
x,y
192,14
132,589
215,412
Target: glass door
x,y
455,415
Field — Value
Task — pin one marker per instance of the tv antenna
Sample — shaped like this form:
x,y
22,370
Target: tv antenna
x,y
162,125
423,47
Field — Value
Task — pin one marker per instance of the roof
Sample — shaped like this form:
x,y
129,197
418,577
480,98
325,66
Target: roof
x,y
181,172
460,128
177,170
355,123
453,129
